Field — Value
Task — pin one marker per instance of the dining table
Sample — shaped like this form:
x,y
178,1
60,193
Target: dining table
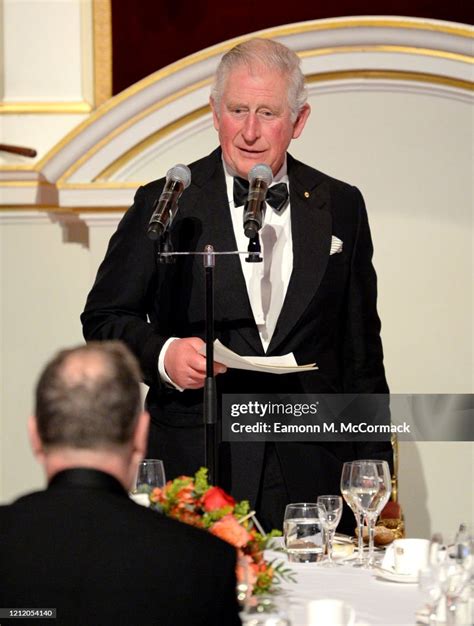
x,y
376,601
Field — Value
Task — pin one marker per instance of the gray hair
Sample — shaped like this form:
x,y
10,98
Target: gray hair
x,y
88,397
273,56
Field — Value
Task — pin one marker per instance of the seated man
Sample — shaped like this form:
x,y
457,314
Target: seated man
x,y
82,546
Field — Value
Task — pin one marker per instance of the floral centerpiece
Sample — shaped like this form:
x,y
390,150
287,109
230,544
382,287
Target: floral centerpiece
x,y
193,501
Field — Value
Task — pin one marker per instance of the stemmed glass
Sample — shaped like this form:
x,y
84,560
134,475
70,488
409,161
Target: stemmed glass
x,y
453,578
348,497
379,501
447,576
150,474
428,578
330,511
370,487
429,585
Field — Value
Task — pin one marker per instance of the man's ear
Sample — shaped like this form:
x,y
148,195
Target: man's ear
x,y
215,116
301,121
35,440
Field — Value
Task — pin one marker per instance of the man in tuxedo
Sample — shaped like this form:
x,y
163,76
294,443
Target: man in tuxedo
x,y
313,295
83,546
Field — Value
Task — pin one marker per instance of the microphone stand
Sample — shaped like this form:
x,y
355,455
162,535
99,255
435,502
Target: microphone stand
x,y
210,415
212,437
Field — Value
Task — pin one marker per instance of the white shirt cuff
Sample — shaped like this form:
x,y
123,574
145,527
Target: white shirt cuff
x,y
161,365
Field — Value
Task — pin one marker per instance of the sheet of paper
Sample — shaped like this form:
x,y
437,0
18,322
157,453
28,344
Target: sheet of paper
x,y
285,364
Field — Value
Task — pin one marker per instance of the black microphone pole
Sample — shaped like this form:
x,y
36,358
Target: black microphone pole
x,y
210,394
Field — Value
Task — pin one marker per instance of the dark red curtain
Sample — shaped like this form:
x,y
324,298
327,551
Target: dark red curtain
x,y
149,34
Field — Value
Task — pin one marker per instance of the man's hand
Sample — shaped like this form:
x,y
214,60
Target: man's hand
x,y
185,366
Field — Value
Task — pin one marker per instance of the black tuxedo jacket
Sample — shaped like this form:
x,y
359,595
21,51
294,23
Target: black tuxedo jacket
x,y
329,317
83,547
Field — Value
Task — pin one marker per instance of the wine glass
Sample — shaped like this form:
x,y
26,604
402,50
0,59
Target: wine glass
x,y
448,577
150,474
364,485
379,500
330,512
348,497
454,578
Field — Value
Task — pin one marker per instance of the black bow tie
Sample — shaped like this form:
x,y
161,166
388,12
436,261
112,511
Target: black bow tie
x,y
277,195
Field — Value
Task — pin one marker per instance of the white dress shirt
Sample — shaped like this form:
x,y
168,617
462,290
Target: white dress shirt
x,y
267,282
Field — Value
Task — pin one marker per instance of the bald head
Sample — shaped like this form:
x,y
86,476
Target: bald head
x,y
88,397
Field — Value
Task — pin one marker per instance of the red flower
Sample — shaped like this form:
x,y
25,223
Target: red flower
x,y
186,495
229,529
216,498
158,495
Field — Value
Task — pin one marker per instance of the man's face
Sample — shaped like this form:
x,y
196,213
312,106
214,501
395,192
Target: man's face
x,y
254,119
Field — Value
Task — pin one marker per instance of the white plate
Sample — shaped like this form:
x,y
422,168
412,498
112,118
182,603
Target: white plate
x,y
392,576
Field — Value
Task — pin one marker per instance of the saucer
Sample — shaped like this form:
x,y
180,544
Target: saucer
x,y
394,577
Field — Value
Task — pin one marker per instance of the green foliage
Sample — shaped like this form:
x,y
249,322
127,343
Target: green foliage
x,y
282,572
200,481
241,509
176,486
263,541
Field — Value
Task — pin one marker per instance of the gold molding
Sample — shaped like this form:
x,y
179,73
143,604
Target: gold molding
x,y
127,156
104,87
131,122
221,48
420,77
113,184
104,14
375,22
308,53
102,70
42,208
15,168
149,141
102,46
430,52
26,183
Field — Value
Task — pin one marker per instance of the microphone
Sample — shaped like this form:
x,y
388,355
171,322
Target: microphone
x,y
260,178
178,179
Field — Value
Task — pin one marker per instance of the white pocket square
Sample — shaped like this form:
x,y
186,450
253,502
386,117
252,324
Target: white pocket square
x,y
336,245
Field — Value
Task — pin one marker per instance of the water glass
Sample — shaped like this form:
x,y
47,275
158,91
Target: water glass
x,y
302,533
266,610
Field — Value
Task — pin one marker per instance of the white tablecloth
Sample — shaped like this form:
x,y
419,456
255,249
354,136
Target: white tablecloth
x,y
376,602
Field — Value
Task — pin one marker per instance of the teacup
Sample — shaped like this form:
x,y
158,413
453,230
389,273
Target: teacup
x,y
330,613
410,555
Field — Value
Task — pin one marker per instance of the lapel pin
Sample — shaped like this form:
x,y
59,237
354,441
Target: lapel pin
x,y
306,194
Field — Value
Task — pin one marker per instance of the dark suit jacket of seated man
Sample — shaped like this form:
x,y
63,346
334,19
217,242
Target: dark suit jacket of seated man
x,y
82,546
327,315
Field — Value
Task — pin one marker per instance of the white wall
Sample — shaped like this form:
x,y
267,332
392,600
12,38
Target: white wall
x,y
44,284
46,62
